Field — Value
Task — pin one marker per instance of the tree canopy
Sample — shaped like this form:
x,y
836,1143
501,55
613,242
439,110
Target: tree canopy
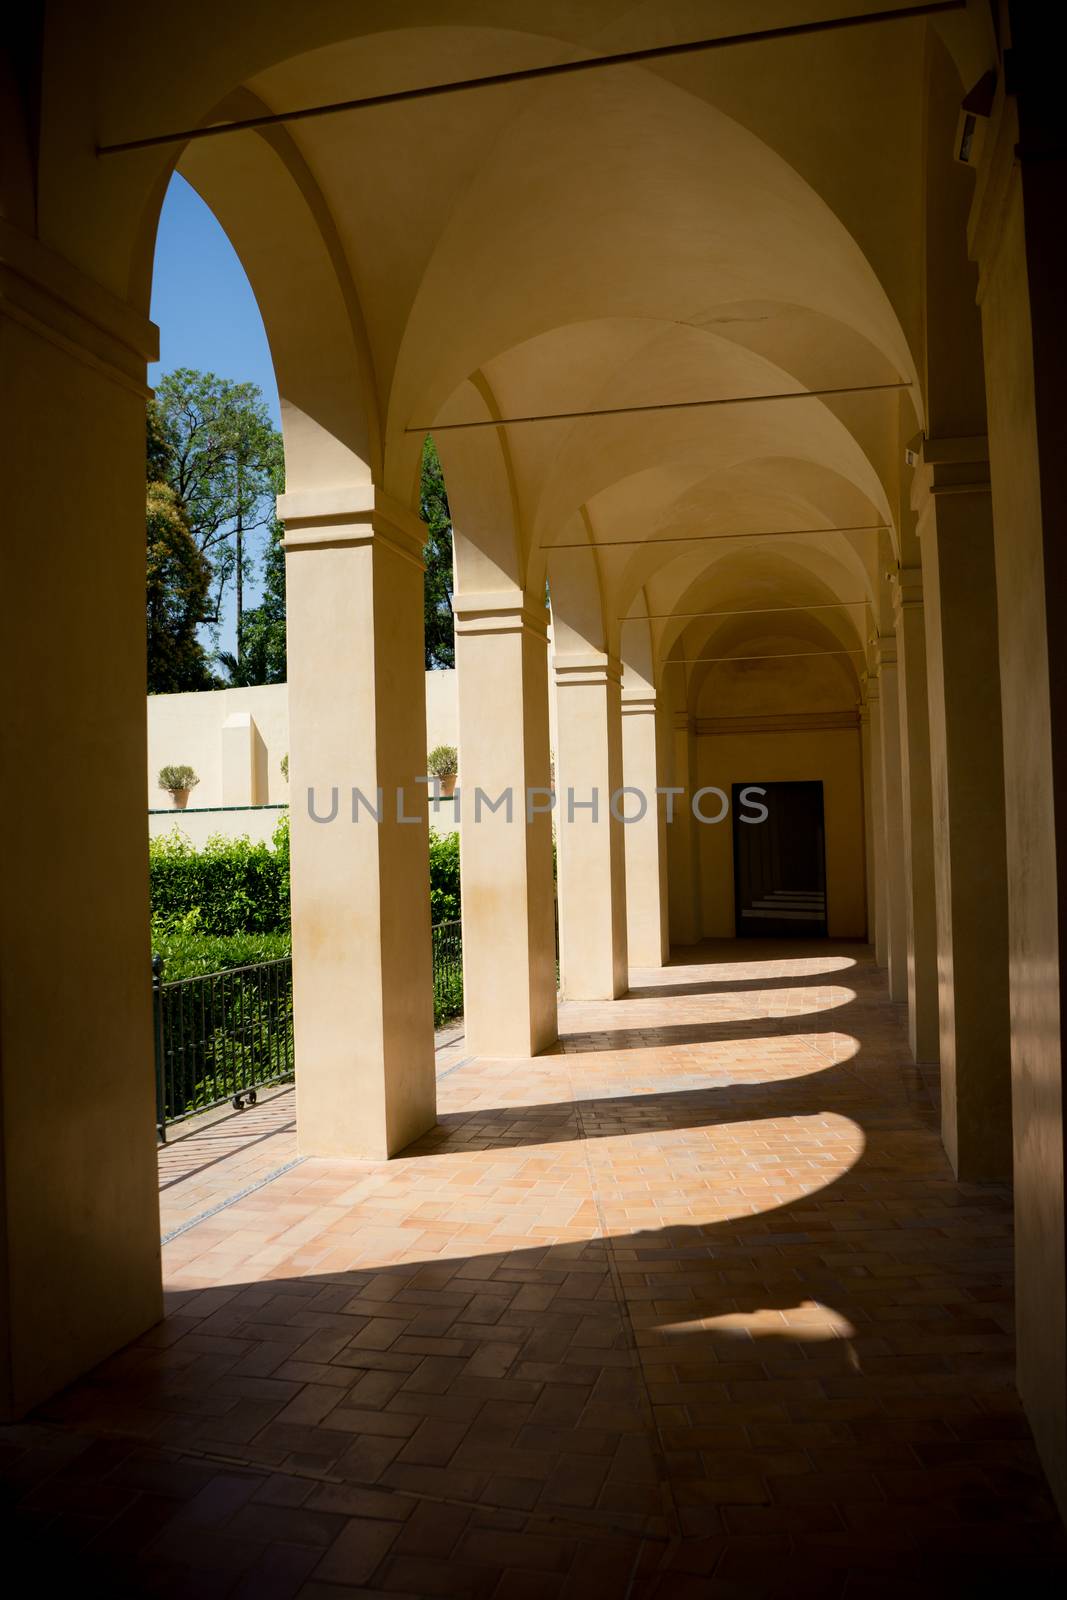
x,y
211,442
223,454
179,577
215,467
264,658
433,507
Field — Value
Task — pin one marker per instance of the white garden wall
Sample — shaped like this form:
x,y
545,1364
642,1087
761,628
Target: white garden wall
x,y
235,741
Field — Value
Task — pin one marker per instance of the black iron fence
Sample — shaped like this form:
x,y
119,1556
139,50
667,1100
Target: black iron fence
x,y
220,1037
447,971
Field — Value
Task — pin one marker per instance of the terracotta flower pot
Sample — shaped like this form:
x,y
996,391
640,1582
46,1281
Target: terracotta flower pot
x,y
448,784
179,798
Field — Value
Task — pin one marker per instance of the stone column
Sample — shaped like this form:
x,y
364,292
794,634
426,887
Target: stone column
x,y
590,846
79,1210
683,855
951,496
920,914
878,927
646,834
868,819
892,831
362,974
1016,237
509,954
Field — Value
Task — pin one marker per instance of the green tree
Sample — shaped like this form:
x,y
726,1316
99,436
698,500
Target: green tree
x,y
433,506
186,448
223,462
178,581
263,636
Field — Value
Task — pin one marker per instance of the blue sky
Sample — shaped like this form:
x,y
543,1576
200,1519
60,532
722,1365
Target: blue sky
x,y
206,312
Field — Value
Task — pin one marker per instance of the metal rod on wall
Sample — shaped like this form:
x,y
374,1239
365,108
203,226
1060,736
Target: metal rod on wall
x,y
709,538
775,655
559,69
665,405
741,611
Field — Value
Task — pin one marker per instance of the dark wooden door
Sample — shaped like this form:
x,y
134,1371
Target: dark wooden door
x,y
780,863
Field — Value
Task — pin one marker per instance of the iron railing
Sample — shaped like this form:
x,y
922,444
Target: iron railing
x,y
447,971
220,1037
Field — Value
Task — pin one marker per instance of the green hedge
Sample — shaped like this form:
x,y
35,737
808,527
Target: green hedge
x,y
229,887
233,887
444,877
189,954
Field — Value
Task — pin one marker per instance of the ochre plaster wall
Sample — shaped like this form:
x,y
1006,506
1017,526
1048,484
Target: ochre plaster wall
x,y
832,756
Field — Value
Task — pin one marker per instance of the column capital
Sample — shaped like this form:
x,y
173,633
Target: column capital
x,y
950,466
639,701
47,295
907,586
588,668
997,174
505,611
348,515
684,723
883,652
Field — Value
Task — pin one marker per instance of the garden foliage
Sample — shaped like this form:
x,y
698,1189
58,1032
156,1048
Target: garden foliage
x,y
444,877
231,886
227,905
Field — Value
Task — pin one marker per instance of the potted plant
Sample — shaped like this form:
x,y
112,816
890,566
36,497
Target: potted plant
x,y
178,781
443,763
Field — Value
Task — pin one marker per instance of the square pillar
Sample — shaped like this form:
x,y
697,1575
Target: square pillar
x,y
868,821
591,849
644,833
362,964
509,946
877,890
920,914
1016,237
243,760
683,858
892,831
951,497
79,1205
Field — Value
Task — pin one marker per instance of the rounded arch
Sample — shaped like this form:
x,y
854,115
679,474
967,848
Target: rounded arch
x,y
665,227
750,507
785,586
266,199
580,622
637,647
487,532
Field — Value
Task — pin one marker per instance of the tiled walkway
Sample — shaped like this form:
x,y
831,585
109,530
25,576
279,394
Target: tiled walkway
x,y
691,1308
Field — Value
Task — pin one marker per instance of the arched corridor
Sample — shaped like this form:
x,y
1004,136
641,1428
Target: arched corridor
x,y
740,335
692,1305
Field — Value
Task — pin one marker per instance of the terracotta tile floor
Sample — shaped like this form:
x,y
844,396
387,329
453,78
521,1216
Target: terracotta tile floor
x,y
692,1307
